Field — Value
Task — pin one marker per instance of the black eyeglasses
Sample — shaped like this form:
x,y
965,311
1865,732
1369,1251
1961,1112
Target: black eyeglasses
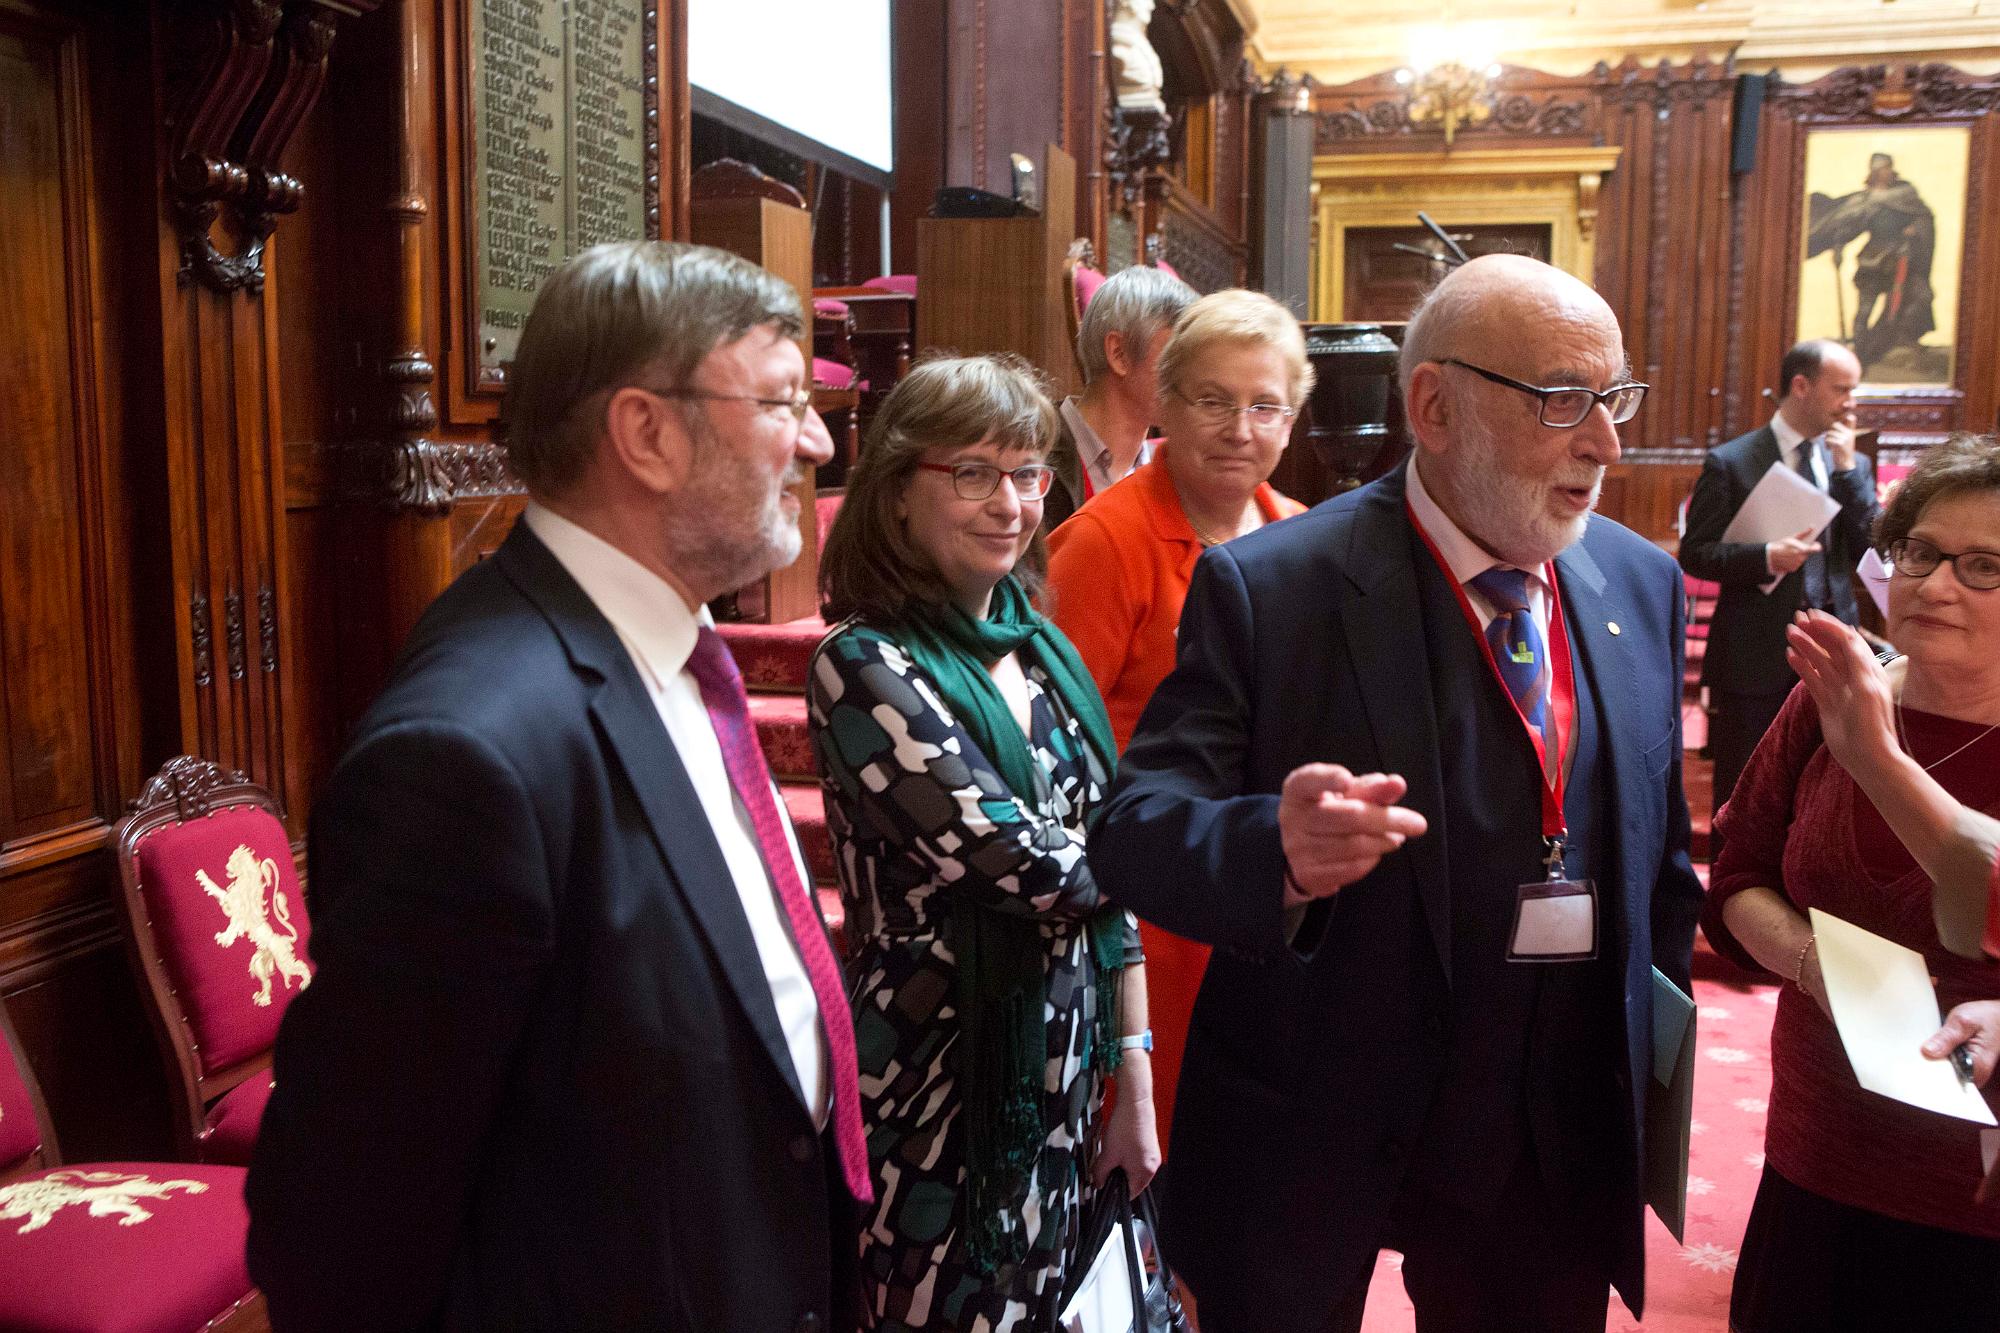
x,y
798,404
1219,412
978,481
1978,570
1567,405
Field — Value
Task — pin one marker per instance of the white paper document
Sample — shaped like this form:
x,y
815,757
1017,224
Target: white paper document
x,y
1874,572
1885,1009
1103,1301
1783,504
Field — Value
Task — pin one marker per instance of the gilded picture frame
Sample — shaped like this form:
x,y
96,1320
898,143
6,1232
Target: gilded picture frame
x,y
1882,246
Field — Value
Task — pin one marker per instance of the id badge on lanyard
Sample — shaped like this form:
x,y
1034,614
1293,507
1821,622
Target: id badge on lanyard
x,y
1555,917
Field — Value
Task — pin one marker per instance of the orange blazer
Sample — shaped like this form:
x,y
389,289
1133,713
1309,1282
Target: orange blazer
x,y
1118,573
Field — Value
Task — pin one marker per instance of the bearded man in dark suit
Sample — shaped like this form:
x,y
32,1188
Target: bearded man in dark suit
x,y
1416,775
576,1055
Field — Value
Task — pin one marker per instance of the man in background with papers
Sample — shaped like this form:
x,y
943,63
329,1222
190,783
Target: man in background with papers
x,y
1767,577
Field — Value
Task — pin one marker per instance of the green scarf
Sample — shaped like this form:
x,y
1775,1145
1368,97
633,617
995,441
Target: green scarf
x,y
1001,993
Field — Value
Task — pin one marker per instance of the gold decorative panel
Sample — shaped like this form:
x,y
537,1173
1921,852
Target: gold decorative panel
x,y
1464,188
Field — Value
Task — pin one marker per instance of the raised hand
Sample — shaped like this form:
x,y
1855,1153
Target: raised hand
x,y
1857,707
1336,827
1840,443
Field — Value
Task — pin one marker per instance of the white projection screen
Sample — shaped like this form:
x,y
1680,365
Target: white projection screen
x,y
808,76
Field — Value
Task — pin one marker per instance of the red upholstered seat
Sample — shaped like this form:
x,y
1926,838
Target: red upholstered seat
x,y
113,1247
1088,280
218,931
20,1125
832,309
906,283
832,374
227,877
123,1247
233,1121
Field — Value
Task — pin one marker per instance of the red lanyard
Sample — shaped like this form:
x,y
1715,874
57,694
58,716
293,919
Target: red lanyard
x,y
1562,685
1090,489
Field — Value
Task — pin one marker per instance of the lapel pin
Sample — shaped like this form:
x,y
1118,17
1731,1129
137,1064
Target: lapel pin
x,y
1611,625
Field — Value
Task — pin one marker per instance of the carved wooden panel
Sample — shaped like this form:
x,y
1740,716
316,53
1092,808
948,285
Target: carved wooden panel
x,y
54,769
1384,283
76,609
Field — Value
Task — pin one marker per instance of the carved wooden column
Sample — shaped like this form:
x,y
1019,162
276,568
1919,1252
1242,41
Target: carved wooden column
x,y
1281,186
236,78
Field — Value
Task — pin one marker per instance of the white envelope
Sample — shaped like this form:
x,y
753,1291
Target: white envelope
x,y
1874,574
1885,1009
1782,504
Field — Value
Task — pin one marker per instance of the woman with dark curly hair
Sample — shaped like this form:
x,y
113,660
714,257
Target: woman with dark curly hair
x,y
961,748
1870,798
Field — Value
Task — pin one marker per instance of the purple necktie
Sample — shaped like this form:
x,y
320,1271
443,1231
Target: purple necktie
x,y
721,685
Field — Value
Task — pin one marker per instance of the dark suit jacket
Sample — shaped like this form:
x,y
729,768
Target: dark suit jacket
x,y
1746,639
1312,1061
538,1080
1066,493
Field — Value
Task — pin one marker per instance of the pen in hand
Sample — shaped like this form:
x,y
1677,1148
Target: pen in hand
x,y
1961,1063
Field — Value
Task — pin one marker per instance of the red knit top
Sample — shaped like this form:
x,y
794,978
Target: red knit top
x,y
1798,824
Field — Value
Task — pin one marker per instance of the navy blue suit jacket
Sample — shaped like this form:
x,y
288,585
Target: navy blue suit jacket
x,y
1312,1059
538,1081
1746,639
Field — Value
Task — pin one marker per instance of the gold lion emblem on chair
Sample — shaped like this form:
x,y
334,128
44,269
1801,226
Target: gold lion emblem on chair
x,y
104,1193
251,883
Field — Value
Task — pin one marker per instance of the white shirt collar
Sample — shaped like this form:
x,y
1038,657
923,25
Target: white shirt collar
x,y
1464,557
652,619
1788,435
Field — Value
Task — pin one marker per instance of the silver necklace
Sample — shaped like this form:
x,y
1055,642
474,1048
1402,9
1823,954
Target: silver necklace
x,y
1903,735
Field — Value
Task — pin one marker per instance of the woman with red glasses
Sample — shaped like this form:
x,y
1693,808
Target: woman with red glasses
x,y
962,747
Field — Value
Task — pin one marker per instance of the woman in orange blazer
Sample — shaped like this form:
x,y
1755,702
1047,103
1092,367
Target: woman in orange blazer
x,y
1231,378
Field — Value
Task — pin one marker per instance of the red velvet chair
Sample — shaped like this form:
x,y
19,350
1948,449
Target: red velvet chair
x,y
218,934
113,1247
1080,283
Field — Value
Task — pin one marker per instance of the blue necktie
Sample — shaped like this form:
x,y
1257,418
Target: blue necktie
x,y
1516,642
1818,588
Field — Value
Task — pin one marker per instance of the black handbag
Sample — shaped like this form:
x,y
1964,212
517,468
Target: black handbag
x,y
1155,1306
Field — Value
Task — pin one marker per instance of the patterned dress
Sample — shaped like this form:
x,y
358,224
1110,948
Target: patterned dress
x,y
918,813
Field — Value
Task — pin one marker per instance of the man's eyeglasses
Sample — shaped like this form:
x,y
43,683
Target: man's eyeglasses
x,y
1220,413
798,404
1567,405
978,481
1979,570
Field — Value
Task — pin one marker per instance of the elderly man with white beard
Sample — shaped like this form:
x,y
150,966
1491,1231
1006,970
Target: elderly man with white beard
x,y
1418,775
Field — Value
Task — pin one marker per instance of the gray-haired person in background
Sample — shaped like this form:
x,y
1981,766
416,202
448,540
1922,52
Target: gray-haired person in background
x,y
1102,433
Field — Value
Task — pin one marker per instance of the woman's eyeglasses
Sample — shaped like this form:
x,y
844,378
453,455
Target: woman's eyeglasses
x,y
978,481
1979,570
1220,412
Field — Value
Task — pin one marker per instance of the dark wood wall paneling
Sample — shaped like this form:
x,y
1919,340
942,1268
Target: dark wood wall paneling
x,y
143,589
1700,264
86,678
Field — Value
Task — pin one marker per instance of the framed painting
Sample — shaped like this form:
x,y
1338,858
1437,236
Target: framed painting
x,y
1883,242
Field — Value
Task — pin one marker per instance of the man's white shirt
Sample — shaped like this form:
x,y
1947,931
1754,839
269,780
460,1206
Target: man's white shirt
x,y
657,628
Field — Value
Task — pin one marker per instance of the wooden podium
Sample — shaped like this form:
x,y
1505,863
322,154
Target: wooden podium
x,y
996,284
739,209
